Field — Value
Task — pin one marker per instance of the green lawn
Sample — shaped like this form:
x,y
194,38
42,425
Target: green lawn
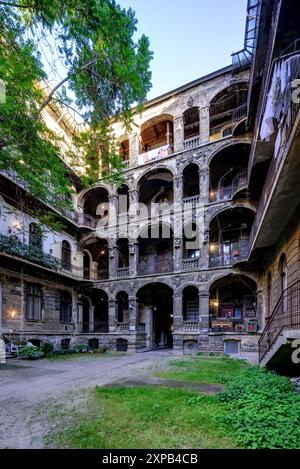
x,y
148,417
203,370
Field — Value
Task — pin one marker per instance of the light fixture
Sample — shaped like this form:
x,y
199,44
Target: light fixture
x,y
215,303
102,252
22,162
13,314
213,247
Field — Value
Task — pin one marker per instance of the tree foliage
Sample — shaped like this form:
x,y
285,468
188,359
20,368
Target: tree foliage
x,y
107,72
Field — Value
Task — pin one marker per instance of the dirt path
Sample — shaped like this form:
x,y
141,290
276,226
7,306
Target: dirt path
x,y
29,390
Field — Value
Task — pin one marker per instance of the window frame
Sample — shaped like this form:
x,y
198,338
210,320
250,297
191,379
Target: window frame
x,y
35,293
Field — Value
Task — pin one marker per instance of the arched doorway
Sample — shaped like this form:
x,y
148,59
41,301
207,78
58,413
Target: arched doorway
x,y
156,314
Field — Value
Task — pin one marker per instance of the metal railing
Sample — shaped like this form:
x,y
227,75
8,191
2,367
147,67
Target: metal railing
x,y
239,182
13,246
227,325
191,143
272,175
238,254
286,315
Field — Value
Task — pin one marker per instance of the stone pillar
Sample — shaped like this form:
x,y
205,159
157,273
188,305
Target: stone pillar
x,y
113,209
204,125
133,247
177,312
177,250
178,189
79,314
134,149
91,320
133,313
79,263
204,312
204,185
111,315
178,134
260,309
112,261
94,270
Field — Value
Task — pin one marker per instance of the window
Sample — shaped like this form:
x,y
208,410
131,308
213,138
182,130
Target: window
x,y
35,236
65,344
33,303
65,307
66,255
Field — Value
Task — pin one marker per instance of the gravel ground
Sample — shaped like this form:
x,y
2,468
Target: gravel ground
x,y
31,390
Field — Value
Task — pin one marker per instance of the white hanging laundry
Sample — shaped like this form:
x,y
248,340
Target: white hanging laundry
x,y
267,126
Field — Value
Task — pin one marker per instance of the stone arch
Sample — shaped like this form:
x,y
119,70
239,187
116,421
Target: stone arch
x,y
155,120
149,172
220,89
82,194
226,144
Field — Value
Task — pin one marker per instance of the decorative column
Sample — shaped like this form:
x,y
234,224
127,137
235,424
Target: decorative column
x,y
177,323
91,319
112,315
133,314
112,261
260,309
178,189
204,125
204,184
177,312
204,312
177,243
178,134
133,247
113,210
134,149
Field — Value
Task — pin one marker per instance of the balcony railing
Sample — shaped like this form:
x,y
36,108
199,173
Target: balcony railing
x,y
191,143
191,202
238,253
292,109
190,264
285,316
13,246
227,325
123,272
83,219
190,326
239,182
155,154
122,326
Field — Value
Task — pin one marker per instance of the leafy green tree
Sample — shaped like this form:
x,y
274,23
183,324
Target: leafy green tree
x,y
106,70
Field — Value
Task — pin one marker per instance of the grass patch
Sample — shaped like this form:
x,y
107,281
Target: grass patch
x,y
148,418
203,370
264,409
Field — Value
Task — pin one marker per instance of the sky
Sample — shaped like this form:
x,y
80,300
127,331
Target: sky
x,y
189,38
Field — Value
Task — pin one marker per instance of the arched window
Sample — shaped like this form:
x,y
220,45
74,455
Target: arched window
x,y
33,302
283,277
65,307
35,236
191,122
66,255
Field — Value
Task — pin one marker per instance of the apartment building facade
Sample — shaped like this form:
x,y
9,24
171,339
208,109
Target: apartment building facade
x,y
183,254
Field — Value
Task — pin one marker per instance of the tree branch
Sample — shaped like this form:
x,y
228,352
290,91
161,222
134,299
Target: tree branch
x,y
50,96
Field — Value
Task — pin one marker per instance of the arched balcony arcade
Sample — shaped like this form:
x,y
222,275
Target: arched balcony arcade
x,y
227,109
233,305
156,138
228,172
229,236
155,250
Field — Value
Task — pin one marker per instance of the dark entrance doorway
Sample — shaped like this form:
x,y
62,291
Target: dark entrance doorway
x,y
85,315
156,314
